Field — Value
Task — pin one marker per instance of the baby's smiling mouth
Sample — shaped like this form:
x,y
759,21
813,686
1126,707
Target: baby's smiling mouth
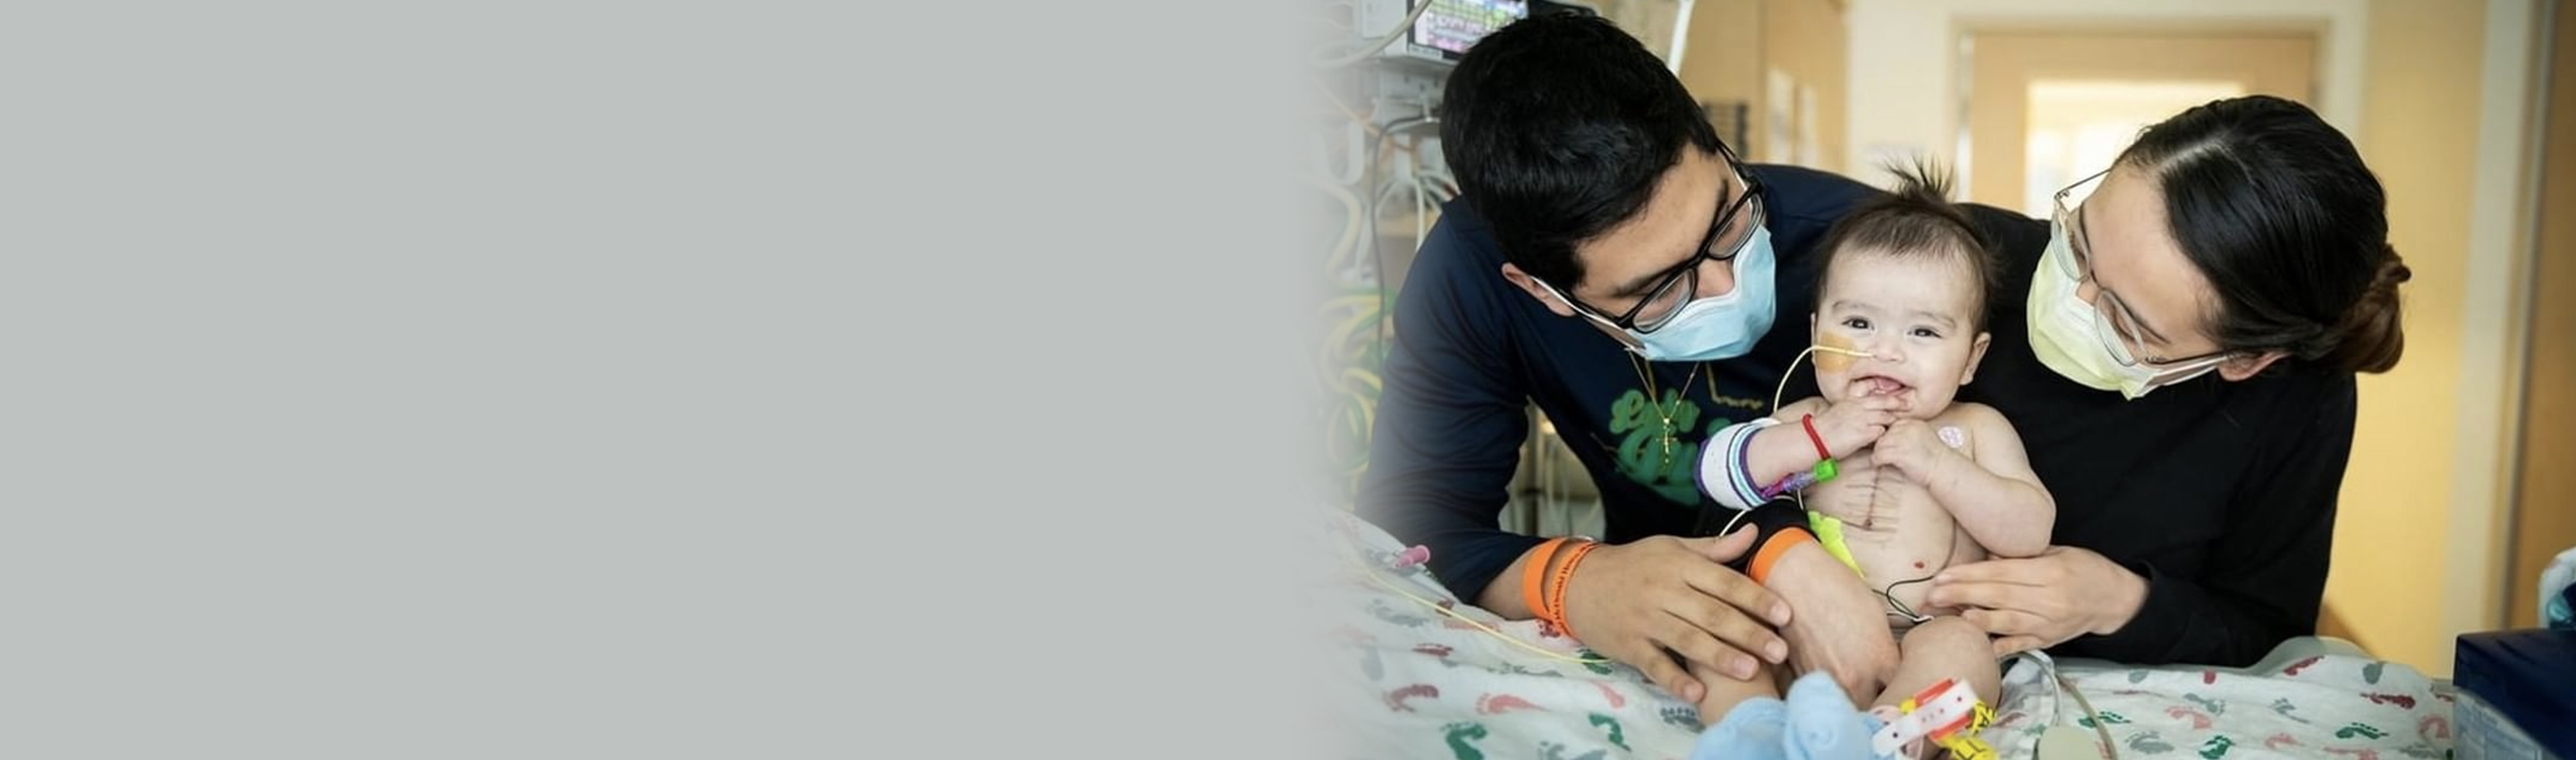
x,y
1879,385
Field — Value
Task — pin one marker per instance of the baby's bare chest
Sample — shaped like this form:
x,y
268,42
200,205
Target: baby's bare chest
x,y
1883,506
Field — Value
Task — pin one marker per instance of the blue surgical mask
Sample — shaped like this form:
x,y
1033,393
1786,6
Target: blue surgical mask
x,y
1721,327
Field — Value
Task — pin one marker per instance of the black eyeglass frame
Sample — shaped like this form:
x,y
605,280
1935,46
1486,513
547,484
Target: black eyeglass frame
x,y
1686,273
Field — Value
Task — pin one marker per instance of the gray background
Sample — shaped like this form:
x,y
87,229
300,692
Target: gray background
x,y
739,380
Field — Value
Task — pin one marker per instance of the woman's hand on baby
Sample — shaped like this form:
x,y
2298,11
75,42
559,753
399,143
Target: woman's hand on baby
x,y
1635,601
2042,601
1853,425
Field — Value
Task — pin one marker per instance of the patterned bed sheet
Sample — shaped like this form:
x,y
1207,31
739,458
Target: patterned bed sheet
x,y
1418,673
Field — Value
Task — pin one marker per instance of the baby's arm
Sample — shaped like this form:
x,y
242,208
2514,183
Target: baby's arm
x,y
1995,497
1781,450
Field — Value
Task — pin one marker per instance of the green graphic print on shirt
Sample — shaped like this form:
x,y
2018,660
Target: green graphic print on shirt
x,y
1643,456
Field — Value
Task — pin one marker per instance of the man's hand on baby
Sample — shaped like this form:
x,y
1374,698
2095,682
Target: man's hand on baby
x,y
1851,426
1638,600
1913,448
1838,625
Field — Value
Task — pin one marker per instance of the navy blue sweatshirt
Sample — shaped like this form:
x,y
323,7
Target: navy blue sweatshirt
x,y
2220,494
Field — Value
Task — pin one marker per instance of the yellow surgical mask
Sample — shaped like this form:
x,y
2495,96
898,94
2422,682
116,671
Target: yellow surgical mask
x,y
2073,339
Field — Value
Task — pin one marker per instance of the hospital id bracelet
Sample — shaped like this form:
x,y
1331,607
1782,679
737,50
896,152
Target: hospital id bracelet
x,y
1555,612
1772,548
1535,574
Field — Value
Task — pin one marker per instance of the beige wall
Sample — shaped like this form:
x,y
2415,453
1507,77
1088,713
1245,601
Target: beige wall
x,y
2007,62
1735,43
1723,60
1805,38
1904,54
2545,522
2393,534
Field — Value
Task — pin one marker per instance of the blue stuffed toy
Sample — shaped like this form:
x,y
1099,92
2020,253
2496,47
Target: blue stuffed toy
x,y
1816,722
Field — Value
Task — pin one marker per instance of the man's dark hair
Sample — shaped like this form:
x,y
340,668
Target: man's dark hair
x,y
1559,127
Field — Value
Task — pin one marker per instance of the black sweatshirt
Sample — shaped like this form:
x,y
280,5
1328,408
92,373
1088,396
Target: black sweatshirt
x,y
2221,494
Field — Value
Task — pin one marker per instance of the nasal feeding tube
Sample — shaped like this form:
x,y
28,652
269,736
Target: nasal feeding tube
x,y
1793,367
1824,470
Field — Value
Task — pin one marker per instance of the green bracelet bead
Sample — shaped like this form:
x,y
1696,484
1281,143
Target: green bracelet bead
x,y
1825,470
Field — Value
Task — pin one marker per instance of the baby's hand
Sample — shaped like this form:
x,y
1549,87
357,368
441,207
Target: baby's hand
x,y
1853,425
1913,448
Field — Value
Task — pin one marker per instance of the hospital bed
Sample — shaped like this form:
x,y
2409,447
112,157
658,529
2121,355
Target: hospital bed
x,y
1419,673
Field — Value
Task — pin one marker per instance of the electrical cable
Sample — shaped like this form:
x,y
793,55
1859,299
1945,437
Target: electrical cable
x,y
1355,171
1421,209
1347,110
2057,706
1387,133
1348,243
1372,575
1380,43
1377,248
1443,185
1385,137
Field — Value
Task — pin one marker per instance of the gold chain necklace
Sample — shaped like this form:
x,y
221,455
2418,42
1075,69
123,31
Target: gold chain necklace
x,y
1655,401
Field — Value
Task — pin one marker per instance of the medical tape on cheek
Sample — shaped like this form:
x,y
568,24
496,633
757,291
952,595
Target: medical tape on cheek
x,y
1783,387
1835,353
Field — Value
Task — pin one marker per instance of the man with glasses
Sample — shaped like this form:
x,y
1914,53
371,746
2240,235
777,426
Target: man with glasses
x,y
1614,263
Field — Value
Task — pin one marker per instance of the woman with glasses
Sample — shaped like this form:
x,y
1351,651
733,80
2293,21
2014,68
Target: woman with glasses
x,y
2196,319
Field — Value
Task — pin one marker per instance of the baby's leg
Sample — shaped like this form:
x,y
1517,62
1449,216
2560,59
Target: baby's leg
x,y
1945,647
1723,692
1746,719
1936,649
1859,657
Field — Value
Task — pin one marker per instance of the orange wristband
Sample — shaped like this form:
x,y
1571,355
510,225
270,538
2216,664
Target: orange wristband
x,y
1535,572
1556,597
1778,544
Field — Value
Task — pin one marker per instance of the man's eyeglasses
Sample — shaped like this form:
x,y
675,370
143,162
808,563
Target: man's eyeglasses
x,y
1675,287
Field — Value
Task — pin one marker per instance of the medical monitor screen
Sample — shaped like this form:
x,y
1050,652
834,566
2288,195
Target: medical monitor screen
x,y
1453,25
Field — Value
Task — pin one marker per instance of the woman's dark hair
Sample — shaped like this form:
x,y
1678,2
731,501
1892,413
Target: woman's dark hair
x,y
1916,220
1559,127
2276,208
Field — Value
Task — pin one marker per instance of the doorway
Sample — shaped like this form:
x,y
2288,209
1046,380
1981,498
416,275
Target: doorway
x,y
2046,108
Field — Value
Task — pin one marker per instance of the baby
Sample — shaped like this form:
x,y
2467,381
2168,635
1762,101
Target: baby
x,y
1898,480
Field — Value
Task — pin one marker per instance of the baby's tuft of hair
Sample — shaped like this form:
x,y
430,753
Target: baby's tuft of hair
x,y
1915,219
